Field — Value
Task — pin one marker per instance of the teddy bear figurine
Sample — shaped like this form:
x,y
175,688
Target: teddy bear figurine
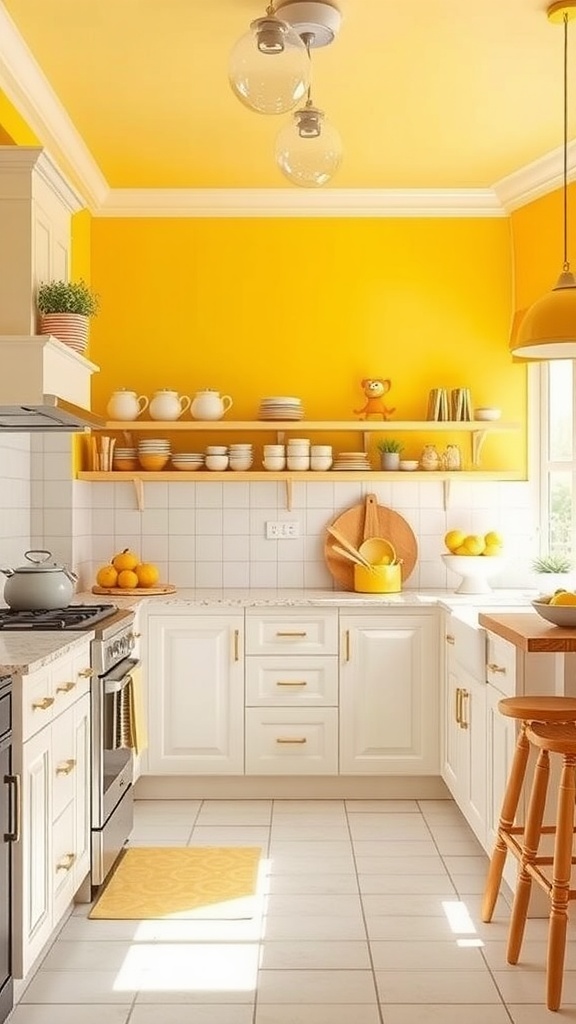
x,y
374,390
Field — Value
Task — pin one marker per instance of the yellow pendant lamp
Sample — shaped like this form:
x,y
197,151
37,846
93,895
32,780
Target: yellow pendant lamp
x,y
547,329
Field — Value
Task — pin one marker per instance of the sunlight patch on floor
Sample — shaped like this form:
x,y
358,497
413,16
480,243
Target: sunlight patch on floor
x,y
189,968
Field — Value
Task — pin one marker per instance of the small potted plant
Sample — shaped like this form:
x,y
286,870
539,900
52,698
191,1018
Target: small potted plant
x,y
65,308
553,572
390,450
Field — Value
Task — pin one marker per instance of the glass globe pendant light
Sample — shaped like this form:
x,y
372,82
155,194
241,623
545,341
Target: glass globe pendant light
x,y
547,330
268,69
309,149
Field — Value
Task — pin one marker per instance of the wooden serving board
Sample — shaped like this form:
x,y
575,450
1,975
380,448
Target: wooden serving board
x,y
370,520
166,588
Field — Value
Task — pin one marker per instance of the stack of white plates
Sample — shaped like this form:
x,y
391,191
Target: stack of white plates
x,y
351,461
153,446
187,460
280,408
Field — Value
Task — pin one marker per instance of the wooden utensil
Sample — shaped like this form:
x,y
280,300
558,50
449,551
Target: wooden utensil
x,y
350,525
349,547
371,525
349,556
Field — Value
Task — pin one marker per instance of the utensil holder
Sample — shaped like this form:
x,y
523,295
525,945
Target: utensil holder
x,y
380,579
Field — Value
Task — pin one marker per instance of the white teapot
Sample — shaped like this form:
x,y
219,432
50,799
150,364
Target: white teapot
x,y
126,405
208,405
168,405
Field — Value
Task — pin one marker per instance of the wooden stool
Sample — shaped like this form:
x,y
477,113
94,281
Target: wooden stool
x,y
557,739
527,710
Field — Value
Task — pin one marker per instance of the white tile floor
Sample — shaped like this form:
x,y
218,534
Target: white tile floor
x,y
369,915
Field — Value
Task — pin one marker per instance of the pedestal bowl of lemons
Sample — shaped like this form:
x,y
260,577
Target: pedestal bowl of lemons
x,y
476,558
559,608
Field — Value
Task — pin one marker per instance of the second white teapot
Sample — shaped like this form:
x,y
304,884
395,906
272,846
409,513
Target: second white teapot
x,y
168,405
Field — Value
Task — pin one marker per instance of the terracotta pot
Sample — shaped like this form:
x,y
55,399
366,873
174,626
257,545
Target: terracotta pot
x,y
69,328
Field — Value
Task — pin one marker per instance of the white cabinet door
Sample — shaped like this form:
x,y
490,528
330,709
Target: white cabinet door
x,y
473,761
33,868
195,694
81,790
389,694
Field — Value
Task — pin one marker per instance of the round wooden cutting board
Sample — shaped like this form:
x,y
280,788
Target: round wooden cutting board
x,y
166,588
370,520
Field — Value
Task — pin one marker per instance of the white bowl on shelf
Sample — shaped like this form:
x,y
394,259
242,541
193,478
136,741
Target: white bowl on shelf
x,y
475,571
487,413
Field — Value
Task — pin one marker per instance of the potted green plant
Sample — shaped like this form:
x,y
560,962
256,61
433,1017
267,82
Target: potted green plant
x,y
390,450
552,572
65,308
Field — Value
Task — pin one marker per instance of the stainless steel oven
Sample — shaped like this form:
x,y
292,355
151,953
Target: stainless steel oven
x,y
113,696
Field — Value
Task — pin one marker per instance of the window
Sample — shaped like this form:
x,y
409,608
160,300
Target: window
x,y
557,457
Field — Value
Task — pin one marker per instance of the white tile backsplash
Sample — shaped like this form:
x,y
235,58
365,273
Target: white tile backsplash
x,y
212,534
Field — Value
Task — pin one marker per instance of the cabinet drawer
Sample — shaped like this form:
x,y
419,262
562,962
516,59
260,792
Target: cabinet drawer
x,y
466,643
306,681
64,856
63,763
297,630
37,702
71,678
291,742
501,664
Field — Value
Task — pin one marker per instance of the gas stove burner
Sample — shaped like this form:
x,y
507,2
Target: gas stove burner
x,y
75,616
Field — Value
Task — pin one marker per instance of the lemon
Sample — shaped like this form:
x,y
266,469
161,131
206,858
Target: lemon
x,y
566,597
147,573
125,560
492,549
454,539
474,544
493,538
127,579
107,576
461,551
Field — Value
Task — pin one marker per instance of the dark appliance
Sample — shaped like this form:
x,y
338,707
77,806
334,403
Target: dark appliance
x,y
112,763
10,832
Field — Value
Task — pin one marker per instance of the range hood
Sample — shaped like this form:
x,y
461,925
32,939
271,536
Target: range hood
x,y
44,386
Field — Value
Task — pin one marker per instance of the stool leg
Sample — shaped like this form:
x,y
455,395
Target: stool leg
x,y
530,844
507,817
560,893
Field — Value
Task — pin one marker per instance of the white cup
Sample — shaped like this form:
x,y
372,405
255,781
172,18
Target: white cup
x,y
320,463
299,440
298,462
274,449
240,462
216,449
274,463
298,450
216,462
321,449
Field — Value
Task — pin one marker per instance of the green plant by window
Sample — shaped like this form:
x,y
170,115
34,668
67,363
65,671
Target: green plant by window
x,y
552,563
67,297
390,444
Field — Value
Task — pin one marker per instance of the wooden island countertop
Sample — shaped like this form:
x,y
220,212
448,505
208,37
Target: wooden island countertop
x,y
529,632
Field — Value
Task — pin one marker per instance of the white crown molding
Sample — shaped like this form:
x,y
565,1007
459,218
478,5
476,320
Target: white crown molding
x,y
20,161
26,86
536,179
279,202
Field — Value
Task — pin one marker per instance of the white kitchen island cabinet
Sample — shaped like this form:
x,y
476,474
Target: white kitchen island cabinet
x,y
389,702
195,682
51,756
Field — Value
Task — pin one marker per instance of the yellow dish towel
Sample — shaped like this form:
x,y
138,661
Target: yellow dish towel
x,y
132,718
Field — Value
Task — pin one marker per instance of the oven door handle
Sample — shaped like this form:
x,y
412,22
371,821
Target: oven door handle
x,y
116,685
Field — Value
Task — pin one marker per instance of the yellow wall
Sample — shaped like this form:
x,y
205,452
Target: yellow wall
x,y
13,125
309,307
538,245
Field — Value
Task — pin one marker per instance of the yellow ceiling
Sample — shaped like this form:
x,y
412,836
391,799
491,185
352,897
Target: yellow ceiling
x,y
425,93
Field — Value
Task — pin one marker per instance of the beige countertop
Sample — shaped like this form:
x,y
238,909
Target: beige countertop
x,y
21,653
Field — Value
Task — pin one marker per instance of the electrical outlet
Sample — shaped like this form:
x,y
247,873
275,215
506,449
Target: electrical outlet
x,y
282,530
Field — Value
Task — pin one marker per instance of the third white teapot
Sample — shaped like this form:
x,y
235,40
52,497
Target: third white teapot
x,y
208,405
168,405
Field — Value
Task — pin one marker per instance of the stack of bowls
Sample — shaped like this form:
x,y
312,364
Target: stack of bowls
x,y
153,453
320,457
274,457
298,453
125,458
187,461
240,456
216,458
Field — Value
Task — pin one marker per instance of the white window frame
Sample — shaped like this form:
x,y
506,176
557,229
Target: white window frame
x,y
539,464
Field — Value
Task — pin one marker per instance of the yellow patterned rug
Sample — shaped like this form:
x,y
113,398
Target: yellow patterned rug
x,y
203,882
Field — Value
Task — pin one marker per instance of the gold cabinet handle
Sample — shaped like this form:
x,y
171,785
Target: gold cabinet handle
x,y
347,645
42,705
463,717
278,633
66,687
86,673
496,668
65,767
458,708
236,644
450,639
66,863
291,682
288,739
